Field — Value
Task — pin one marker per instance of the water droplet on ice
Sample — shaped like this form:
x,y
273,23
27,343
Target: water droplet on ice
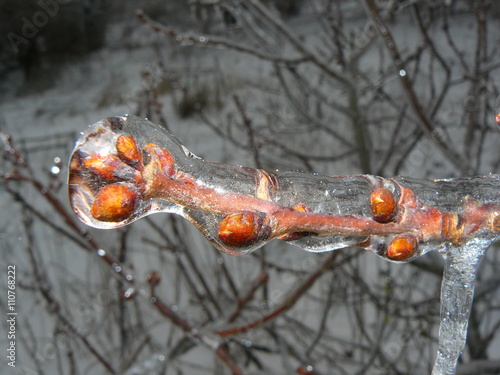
x,y
116,267
101,252
402,72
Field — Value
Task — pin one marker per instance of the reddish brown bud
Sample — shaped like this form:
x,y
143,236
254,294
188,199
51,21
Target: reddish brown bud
x,y
402,247
495,222
383,205
110,168
243,229
103,166
301,207
115,203
164,158
127,150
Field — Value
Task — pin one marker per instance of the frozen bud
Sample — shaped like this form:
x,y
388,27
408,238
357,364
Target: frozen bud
x,y
243,229
165,160
383,205
301,207
115,202
110,168
127,150
495,222
104,166
402,247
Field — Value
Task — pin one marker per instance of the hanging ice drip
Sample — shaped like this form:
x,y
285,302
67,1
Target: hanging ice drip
x,y
124,168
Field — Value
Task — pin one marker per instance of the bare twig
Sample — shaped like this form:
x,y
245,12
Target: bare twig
x,y
403,74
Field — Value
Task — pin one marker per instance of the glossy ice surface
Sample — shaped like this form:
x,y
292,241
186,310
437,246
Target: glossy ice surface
x,y
124,168
329,212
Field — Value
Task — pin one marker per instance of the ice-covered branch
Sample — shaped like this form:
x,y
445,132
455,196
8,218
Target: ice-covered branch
x,y
124,168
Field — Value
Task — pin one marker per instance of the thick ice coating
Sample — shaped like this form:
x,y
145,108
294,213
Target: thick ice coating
x,y
124,168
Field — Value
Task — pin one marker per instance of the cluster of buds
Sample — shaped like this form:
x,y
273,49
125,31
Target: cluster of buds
x,y
124,168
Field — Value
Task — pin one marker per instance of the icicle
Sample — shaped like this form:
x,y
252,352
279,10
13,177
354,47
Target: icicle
x,y
457,291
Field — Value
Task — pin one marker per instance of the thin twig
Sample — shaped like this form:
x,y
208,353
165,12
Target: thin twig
x,y
452,155
288,303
